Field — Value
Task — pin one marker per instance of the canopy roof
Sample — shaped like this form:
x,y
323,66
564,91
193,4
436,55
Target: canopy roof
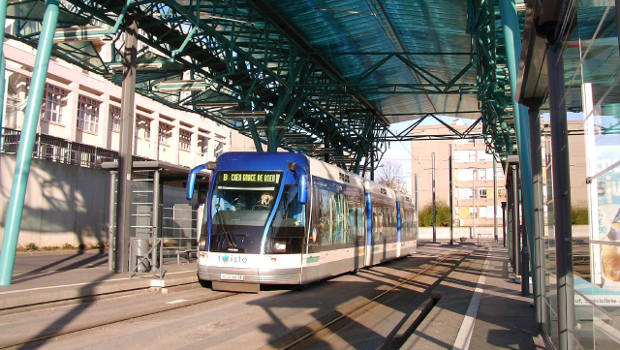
x,y
323,77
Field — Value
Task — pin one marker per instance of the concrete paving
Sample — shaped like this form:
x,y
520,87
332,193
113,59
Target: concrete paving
x,y
480,308
44,277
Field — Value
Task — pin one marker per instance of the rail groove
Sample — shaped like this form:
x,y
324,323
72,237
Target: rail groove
x,y
356,309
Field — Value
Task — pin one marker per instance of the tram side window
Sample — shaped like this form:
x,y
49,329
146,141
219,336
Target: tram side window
x,y
325,219
393,223
361,228
338,213
333,224
355,223
287,231
377,217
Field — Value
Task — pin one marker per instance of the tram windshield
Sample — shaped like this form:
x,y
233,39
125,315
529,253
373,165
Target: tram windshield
x,y
240,206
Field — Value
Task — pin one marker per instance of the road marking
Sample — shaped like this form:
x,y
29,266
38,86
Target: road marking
x,y
176,301
467,327
80,284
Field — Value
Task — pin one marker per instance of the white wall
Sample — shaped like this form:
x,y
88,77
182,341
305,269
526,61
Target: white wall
x,y
63,204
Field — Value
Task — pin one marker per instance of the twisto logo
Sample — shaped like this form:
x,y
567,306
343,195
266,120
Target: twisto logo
x,y
235,259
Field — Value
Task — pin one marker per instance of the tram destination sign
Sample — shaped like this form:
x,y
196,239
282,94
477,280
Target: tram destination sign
x,y
249,178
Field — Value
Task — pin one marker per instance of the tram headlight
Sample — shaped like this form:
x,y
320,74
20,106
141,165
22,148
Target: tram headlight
x,y
279,246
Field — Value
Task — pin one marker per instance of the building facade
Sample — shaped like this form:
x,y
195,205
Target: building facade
x,y
472,173
83,108
79,127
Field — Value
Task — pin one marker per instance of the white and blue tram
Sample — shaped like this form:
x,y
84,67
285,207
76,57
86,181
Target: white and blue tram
x,y
284,218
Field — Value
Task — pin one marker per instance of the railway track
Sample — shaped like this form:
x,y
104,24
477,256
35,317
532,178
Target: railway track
x,y
318,333
325,327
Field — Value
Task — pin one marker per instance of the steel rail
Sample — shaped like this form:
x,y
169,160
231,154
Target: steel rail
x,y
311,333
168,307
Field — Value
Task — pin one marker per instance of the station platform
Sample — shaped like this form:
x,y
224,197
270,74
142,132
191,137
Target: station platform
x,y
477,305
44,277
480,307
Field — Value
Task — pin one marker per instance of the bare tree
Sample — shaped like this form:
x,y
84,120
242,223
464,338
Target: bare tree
x,y
390,175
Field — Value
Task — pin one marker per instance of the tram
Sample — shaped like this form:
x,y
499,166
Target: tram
x,y
285,218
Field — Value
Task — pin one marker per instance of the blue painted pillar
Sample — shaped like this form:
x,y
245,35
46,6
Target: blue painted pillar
x,y
512,40
26,143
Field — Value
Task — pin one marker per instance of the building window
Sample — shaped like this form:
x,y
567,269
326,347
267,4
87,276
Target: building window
x,y
483,192
53,101
464,193
115,116
464,156
473,212
501,192
483,156
185,139
143,127
165,131
465,174
88,114
203,145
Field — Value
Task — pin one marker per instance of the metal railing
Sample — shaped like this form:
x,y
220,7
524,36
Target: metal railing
x,y
146,256
179,231
59,150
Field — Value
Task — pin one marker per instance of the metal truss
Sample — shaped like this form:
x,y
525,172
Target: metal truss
x,y
240,63
454,134
495,101
234,62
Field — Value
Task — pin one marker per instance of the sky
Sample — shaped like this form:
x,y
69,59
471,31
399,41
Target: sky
x,y
399,153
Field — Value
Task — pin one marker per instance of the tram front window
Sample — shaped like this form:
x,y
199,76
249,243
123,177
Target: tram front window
x,y
287,230
240,207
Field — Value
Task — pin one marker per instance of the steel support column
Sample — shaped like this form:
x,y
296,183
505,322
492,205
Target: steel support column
x,y
26,143
3,5
516,246
561,196
451,195
538,206
495,237
434,204
504,224
125,163
508,217
156,265
112,221
512,41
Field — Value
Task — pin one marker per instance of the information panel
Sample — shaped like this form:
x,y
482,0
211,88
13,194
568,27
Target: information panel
x,y
248,178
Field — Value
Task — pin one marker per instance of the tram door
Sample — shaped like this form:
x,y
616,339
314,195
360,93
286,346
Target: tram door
x,y
370,224
369,254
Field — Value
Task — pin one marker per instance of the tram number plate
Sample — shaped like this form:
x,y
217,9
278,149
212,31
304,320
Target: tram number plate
x,y
226,276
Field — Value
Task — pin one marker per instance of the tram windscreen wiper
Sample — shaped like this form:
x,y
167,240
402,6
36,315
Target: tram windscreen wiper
x,y
222,225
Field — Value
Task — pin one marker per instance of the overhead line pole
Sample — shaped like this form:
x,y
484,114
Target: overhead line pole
x,y
26,141
434,205
451,200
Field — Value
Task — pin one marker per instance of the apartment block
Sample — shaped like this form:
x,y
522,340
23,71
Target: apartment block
x,y
472,172
82,108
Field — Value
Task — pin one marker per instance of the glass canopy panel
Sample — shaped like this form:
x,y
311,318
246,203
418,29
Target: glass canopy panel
x,y
430,37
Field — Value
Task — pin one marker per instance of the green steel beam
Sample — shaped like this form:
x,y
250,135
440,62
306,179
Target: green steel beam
x,y
26,144
512,39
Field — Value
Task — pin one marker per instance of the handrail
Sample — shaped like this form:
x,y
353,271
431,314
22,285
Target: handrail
x,y
191,180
